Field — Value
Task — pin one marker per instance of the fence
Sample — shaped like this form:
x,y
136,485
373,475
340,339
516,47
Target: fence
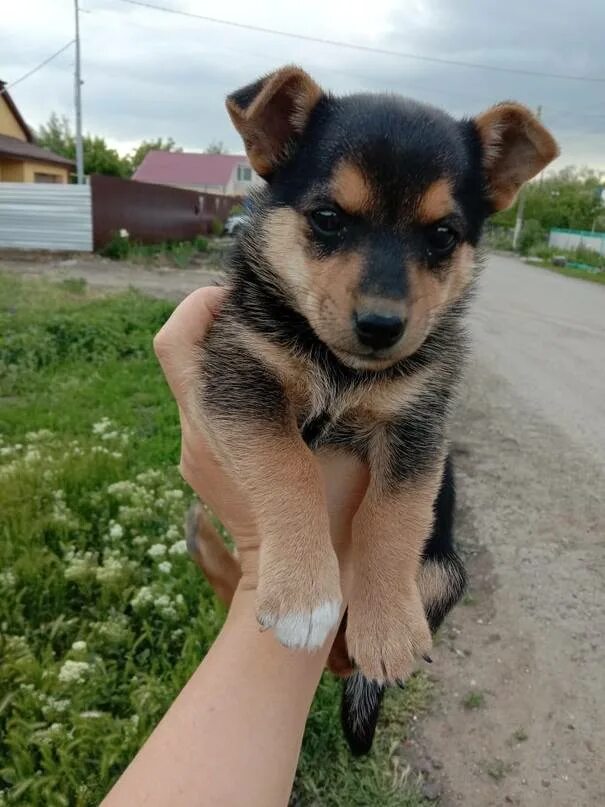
x,y
153,213
574,239
80,217
54,217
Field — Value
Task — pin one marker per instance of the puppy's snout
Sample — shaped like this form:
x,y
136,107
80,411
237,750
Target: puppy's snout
x,y
378,331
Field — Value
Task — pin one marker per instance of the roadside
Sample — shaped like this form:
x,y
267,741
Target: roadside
x,y
163,282
519,716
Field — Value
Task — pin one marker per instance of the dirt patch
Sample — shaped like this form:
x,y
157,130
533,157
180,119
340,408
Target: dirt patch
x,y
156,280
518,717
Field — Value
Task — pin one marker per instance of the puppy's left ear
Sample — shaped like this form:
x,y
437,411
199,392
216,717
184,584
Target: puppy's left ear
x,y
516,147
272,113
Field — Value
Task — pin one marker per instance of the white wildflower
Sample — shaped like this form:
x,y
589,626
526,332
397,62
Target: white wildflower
x,y
165,567
73,671
79,646
163,601
102,426
7,579
173,532
116,530
178,548
135,720
7,451
150,477
32,455
92,714
117,455
179,599
175,494
80,565
156,551
143,597
109,435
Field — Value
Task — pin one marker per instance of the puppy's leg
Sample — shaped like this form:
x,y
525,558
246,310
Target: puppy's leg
x,y
247,416
206,547
387,627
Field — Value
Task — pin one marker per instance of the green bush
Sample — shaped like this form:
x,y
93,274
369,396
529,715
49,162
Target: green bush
x,y
117,248
532,235
218,227
200,243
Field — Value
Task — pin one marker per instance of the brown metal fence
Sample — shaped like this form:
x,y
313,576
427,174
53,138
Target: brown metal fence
x,y
152,213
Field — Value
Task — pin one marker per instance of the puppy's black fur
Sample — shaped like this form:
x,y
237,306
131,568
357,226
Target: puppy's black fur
x,y
405,190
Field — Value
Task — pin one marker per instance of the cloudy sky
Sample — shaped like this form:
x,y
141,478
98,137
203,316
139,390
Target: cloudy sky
x,y
150,73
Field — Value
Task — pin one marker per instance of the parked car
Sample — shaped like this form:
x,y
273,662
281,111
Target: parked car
x,y
235,224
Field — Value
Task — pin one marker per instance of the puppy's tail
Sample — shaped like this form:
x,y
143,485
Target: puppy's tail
x,y
360,707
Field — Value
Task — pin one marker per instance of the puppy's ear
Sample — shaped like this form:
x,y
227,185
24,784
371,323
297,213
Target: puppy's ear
x,y
271,113
516,147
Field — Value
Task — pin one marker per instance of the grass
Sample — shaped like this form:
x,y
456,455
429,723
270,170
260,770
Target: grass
x,y
180,254
475,699
580,274
102,616
497,769
520,735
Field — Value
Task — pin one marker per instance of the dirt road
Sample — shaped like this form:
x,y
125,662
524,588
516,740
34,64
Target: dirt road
x,y
528,648
527,651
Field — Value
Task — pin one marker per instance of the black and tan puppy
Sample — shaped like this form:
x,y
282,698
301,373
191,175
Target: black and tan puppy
x,y
343,331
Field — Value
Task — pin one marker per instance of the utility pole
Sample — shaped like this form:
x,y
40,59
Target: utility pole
x,y
78,102
521,205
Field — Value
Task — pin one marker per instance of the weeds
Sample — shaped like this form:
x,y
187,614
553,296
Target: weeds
x,y
176,253
475,699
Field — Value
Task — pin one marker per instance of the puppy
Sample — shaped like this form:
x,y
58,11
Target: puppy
x,y
343,330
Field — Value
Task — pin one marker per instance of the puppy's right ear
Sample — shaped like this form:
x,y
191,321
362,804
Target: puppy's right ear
x,y
272,113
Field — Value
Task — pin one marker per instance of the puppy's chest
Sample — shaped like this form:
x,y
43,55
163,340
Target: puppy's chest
x,y
348,416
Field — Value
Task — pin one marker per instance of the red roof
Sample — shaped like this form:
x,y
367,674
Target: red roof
x,y
178,168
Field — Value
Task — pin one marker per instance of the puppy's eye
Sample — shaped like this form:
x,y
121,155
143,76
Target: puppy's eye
x,y
441,239
327,221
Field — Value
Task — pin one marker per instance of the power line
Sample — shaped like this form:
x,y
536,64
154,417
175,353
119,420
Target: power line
x,y
38,67
365,48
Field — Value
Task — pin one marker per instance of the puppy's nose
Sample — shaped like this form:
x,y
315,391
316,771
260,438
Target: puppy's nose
x,y
378,330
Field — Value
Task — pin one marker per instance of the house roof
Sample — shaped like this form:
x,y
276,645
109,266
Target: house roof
x,y
16,114
15,148
178,168
12,147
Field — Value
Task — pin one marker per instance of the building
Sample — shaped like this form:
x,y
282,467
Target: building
x,y
229,174
21,160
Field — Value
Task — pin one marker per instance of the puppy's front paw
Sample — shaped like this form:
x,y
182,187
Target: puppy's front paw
x,y
300,608
384,642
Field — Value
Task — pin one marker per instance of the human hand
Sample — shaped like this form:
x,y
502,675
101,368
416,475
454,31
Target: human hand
x,y
344,477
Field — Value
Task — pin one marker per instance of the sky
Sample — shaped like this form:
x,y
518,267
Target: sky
x,y
151,74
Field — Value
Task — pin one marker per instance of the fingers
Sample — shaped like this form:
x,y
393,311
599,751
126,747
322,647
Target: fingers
x,y
186,327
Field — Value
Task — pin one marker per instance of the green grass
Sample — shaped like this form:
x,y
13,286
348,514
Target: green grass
x,y
581,274
475,699
97,633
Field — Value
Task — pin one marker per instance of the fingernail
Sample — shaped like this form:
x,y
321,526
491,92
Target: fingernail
x,y
428,659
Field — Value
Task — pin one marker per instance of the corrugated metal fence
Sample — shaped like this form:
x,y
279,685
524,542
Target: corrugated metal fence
x,y
41,216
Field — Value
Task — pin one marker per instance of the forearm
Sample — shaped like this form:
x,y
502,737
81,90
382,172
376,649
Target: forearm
x,y
233,735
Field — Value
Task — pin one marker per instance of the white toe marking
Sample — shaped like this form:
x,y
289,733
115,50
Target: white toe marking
x,y
308,628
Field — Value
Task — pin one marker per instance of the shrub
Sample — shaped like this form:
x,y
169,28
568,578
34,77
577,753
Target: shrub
x,y
532,235
217,227
117,248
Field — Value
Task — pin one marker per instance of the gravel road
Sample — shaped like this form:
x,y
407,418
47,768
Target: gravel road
x,y
529,440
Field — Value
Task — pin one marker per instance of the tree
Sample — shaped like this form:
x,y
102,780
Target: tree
x,y
567,199
215,147
138,154
99,158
